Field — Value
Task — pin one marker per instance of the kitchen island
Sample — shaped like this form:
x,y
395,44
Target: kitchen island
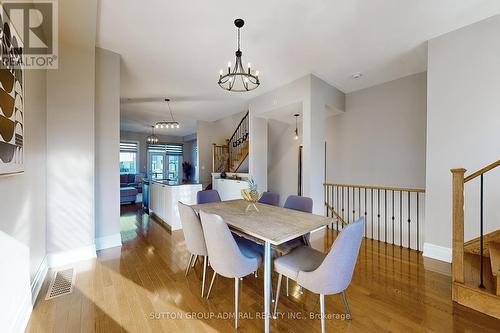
x,y
164,196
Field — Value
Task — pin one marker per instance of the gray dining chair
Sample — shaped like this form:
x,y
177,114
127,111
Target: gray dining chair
x,y
227,257
207,196
270,198
302,204
195,240
323,274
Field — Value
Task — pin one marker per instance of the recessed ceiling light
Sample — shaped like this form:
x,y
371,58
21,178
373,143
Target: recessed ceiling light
x,y
357,75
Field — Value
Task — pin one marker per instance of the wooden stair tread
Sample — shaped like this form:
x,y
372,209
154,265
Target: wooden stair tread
x,y
472,246
495,258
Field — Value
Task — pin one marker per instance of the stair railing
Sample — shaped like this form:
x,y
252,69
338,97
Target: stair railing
x,y
237,140
392,214
459,180
220,158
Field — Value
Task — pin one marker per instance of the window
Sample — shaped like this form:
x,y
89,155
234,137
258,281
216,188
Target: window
x,y
128,156
165,161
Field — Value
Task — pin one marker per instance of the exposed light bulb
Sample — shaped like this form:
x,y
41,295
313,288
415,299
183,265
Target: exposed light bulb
x,y
246,80
221,72
249,65
231,79
178,126
156,126
161,126
256,73
229,64
296,137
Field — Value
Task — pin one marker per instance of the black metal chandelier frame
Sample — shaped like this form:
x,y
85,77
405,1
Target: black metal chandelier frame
x,y
168,123
249,80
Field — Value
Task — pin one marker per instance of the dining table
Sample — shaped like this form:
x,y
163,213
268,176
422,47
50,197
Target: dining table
x,y
266,224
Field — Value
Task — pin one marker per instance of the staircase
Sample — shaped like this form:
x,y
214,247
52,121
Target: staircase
x,y
475,263
231,156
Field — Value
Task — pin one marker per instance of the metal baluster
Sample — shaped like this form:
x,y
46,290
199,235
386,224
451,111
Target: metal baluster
x,y
348,200
338,207
418,217
409,220
385,215
378,215
481,254
401,218
342,202
393,217
353,204
372,211
366,216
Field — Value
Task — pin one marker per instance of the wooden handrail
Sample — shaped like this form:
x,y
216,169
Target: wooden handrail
x,y
482,171
396,189
336,214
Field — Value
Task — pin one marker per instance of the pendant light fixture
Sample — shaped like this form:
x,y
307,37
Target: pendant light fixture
x,y
168,123
152,138
296,126
237,78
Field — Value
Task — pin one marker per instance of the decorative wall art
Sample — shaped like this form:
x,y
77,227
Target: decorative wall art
x,y
11,100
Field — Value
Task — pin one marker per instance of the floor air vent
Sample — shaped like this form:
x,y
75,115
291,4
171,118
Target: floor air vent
x,y
61,284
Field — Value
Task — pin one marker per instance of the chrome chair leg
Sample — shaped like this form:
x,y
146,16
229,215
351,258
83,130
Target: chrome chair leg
x,y
236,294
194,262
189,264
322,309
275,316
287,287
211,285
205,262
346,305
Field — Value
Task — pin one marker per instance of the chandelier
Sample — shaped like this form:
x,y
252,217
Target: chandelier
x,y
237,78
152,138
168,123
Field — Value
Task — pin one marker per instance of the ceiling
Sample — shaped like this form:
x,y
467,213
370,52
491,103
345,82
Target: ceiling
x,y
175,48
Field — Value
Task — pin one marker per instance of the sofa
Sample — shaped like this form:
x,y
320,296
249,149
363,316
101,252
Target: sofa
x,y
128,195
132,180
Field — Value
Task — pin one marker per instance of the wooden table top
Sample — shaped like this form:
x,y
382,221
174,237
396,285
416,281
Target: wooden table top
x,y
271,224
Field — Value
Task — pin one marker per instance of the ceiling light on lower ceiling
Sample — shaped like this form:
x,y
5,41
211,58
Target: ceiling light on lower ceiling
x,y
357,75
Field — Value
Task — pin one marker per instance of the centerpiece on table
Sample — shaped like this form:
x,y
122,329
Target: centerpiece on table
x,y
251,195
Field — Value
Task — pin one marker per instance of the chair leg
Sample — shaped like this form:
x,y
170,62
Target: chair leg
x,y
205,262
189,264
287,287
211,285
275,316
322,309
236,294
346,305
194,262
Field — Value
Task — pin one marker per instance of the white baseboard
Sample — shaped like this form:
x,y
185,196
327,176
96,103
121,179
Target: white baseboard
x,y
107,242
437,252
38,280
20,323
63,258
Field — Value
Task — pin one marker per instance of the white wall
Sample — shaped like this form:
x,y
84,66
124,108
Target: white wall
x,y
317,98
282,158
380,139
70,136
107,149
209,133
463,117
23,214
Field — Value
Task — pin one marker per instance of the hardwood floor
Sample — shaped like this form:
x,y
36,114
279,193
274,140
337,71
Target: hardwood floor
x,y
141,287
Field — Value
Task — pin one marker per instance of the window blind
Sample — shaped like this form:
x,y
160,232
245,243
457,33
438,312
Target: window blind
x,y
129,147
167,148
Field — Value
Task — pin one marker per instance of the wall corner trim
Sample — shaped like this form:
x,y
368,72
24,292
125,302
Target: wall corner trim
x,y
437,252
107,242
56,259
36,284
